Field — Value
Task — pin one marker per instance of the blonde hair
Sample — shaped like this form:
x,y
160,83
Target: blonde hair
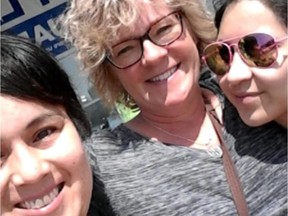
x,y
92,25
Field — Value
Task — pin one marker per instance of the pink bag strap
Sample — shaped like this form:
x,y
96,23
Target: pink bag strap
x,y
230,170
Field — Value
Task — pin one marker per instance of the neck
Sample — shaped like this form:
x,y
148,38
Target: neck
x,y
282,120
187,120
179,131
193,116
172,110
190,113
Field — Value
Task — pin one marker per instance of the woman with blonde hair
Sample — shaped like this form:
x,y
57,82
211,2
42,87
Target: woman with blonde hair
x,y
168,160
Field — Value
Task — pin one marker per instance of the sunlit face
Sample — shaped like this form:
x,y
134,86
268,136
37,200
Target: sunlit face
x,y
259,94
165,75
44,170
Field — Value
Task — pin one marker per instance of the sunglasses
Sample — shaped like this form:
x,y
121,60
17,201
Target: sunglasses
x,y
256,50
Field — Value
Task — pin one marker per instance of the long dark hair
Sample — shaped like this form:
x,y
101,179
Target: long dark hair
x,y
30,73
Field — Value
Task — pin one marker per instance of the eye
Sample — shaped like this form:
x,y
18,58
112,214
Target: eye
x,y
3,157
125,50
44,134
164,29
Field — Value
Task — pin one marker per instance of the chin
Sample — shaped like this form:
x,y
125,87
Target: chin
x,y
254,121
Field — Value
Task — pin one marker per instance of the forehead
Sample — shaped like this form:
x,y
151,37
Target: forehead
x,y
15,106
243,17
20,113
149,13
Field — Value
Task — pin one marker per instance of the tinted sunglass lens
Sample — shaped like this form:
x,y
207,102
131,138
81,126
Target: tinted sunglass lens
x,y
218,58
258,49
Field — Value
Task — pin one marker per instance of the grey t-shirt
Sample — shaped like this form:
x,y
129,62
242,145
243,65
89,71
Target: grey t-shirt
x,y
260,156
146,177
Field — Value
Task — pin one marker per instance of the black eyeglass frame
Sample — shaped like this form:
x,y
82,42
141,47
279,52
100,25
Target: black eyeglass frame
x,y
147,37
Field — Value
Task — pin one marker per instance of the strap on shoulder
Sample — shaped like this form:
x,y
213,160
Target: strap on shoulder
x,y
230,170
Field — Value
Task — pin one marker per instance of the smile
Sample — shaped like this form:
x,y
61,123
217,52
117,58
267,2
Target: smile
x,y
42,201
247,95
165,75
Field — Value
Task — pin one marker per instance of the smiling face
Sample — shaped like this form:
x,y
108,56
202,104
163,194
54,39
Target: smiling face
x,y
259,94
44,170
165,75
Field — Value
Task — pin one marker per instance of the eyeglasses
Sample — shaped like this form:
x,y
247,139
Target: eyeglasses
x,y
256,50
162,33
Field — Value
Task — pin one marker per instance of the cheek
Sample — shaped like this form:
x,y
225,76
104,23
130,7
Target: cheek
x,y
119,76
131,78
188,46
79,177
73,161
68,149
274,77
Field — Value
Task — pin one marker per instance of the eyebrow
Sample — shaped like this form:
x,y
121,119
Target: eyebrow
x,y
41,118
38,120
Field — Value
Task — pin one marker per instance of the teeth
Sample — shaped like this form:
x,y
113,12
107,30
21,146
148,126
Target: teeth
x,y
27,204
40,202
164,76
47,199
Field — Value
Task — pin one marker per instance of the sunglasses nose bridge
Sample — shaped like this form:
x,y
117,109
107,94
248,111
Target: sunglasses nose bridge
x,y
233,47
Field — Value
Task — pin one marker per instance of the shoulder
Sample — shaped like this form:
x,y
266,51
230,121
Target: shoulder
x,y
101,139
112,142
260,156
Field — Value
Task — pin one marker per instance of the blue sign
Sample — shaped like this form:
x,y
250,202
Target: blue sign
x,y
41,28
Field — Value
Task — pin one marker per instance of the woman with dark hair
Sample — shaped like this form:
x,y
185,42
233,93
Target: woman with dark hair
x,y
255,77
253,35
44,169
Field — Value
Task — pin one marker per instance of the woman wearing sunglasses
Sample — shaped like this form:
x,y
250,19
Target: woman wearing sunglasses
x,y
250,59
169,159
44,170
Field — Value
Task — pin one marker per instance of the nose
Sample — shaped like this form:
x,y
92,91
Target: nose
x,y
238,71
27,165
152,52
